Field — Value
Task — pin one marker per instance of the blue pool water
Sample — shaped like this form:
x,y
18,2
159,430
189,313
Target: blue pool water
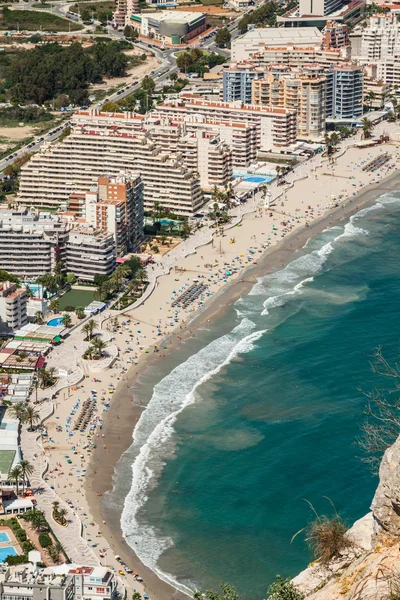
x,y
4,537
8,551
56,322
253,178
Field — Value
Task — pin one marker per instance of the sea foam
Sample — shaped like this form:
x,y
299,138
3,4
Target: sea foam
x,y
154,431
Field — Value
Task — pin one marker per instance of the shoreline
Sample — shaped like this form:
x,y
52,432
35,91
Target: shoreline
x,y
123,414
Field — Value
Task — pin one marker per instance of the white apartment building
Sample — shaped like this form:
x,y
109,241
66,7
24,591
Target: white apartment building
x,y
212,158
96,148
90,252
123,12
381,38
388,70
240,137
30,242
12,306
61,582
276,127
254,42
306,94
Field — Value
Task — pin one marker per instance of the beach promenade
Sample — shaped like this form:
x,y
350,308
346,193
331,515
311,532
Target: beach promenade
x,y
313,189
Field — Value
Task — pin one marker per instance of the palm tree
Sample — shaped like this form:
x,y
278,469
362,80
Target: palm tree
x,y
367,127
56,506
98,346
47,377
37,519
38,318
58,548
80,313
62,513
66,320
15,475
369,99
18,411
88,329
26,470
54,305
32,415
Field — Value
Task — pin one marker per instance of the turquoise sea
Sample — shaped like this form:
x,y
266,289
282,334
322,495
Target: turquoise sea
x,y
262,411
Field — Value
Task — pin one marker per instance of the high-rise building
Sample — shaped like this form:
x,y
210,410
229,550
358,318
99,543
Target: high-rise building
x,y
114,204
276,127
255,41
109,144
306,94
381,38
335,35
345,93
236,82
124,10
12,306
90,252
31,243
203,151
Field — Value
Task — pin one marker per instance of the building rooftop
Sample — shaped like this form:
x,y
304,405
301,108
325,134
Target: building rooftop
x,y
171,16
281,35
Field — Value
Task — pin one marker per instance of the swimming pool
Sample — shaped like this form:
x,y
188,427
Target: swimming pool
x,y
56,322
253,178
4,537
7,551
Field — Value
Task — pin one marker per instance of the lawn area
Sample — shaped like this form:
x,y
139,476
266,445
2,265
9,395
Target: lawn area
x,y
31,20
212,2
76,298
6,460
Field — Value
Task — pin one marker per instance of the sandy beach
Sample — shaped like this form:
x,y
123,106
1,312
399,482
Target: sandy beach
x,y
263,240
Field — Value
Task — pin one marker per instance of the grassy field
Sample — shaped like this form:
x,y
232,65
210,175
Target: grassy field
x,y
212,2
76,298
31,20
94,6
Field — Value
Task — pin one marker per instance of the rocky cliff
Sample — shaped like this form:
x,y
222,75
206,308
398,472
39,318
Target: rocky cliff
x,y
370,568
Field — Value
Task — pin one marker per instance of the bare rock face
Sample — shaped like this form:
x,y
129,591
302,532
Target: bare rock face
x,y
386,503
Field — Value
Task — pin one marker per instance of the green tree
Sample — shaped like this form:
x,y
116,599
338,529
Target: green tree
x,y
88,329
222,37
26,471
66,320
38,318
112,107
54,305
80,312
71,278
283,589
32,415
367,127
46,377
148,84
228,593
17,411
15,475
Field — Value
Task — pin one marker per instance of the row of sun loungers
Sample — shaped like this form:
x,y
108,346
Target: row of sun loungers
x,y
377,162
85,415
189,295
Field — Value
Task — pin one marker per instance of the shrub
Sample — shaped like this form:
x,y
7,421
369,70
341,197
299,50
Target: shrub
x,y
326,537
16,560
27,546
20,535
69,308
283,589
44,540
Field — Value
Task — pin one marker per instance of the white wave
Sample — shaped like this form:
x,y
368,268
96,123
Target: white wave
x,y
155,430
274,301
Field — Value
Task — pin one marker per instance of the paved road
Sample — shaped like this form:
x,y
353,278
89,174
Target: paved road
x,y
160,75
